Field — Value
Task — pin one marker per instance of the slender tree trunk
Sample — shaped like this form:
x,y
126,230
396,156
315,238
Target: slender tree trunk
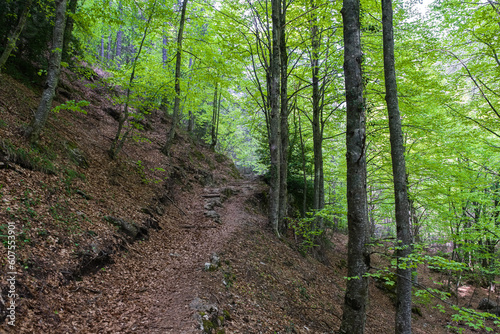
x,y
404,238
177,100
283,205
102,48
191,120
358,262
274,118
119,140
118,51
109,50
214,117
319,193
68,31
42,113
14,34
304,175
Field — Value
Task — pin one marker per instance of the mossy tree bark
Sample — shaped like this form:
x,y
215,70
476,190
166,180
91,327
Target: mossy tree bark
x,y
284,113
403,230
42,113
356,296
275,117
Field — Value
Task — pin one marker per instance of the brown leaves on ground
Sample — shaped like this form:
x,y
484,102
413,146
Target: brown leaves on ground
x,y
79,274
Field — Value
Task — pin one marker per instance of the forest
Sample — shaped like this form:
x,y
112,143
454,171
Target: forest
x,y
379,120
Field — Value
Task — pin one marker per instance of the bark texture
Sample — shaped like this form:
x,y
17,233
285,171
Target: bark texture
x,y
354,315
319,188
404,238
274,118
283,206
42,113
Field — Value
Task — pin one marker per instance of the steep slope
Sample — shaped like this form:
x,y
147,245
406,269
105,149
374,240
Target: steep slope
x,y
61,197
155,244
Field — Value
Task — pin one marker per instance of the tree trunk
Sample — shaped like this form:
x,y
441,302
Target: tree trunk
x,y
177,100
102,48
319,192
304,175
119,140
108,51
214,118
404,238
274,117
358,262
283,205
191,120
68,31
42,113
118,51
14,35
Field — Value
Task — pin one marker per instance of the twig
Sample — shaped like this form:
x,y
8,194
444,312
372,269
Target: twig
x,y
175,204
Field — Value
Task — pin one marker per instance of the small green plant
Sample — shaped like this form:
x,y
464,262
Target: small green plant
x,y
70,176
307,230
139,167
28,158
72,105
141,170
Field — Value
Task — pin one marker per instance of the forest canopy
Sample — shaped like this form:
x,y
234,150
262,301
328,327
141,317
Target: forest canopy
x,y
263,82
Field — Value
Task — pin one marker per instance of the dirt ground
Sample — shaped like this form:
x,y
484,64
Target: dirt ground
x,y
208,260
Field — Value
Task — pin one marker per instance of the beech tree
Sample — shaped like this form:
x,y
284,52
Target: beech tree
x,y
404,238
45,106
177,99
358,258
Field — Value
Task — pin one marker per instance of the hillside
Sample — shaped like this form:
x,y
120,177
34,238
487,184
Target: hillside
x,y
154,244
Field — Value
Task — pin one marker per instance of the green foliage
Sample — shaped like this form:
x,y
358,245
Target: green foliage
x,y
473,319
72,105
31,158
308,232
141,171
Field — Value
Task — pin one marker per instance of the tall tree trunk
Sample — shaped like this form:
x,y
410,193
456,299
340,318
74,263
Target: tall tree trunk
x,y
404,238
177,100
42,113
274,118
108,51
118,51
283,205
304,175
358,262
319,192
14,34
214,118
191,120
119,38
68,31
102,48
